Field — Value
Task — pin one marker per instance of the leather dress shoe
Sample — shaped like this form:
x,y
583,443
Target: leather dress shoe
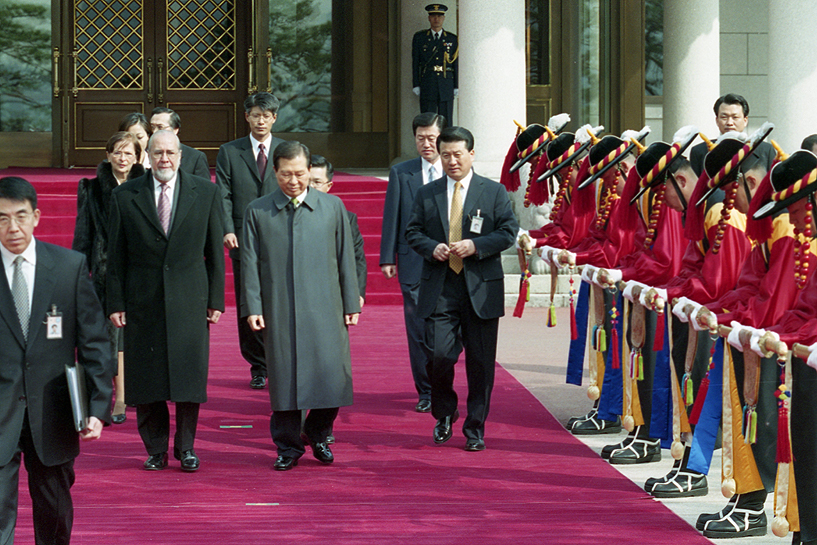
x,y
284,463
683,484
474,445
119,418
442,431
155,462
423,406
258,382
190,462
638,451
323,453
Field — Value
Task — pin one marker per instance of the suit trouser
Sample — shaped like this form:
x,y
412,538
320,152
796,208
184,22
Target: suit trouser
x,y
430,102
285,428
50,490
415,329
153,422
452,325
804,444
251,343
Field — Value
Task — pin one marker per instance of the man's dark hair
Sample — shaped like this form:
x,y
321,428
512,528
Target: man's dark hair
x,y
732,98
290,149
456,134
266,101
809,142
135,118
17,189
175,120
427,119
320,161
679,163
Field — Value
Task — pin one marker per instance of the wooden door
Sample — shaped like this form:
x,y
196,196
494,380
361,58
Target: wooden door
x,y
135,55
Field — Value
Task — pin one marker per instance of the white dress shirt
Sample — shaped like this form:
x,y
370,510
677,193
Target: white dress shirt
x,y
438,167
255,143
463,190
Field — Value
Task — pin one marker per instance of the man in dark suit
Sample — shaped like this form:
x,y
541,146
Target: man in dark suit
x,y
434,65
731,115
321,173
242,176
48,313
193,160
405,179
459,225
165,286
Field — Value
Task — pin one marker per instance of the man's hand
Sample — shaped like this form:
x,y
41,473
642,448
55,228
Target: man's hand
x,y
213,315
256,322
416,91
388,270
118,319
93,431
362,300
230,241
441,252
351,319
463,248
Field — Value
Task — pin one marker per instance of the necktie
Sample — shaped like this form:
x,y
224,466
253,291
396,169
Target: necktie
x,y
436,36
455,227
432,173
19,290
261,161
294,202
164,209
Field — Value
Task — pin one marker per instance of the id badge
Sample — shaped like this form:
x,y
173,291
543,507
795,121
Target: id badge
x,y
53,323
476,224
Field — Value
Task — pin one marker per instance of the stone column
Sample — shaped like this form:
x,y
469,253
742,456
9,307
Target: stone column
x,y
492,78
691,65
792,72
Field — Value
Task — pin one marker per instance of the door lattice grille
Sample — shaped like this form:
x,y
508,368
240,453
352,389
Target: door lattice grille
x,y
108,44
201,44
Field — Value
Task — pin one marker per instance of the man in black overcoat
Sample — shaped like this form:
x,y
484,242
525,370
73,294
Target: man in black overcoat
x,y
165,286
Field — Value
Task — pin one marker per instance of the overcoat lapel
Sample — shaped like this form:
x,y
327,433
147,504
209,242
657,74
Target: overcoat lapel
x,y
186,198
145,202
471,198
249,158
441,198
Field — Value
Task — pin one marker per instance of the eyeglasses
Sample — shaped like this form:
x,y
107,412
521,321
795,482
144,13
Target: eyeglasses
x,y
315,183
21,219
265,117
158,154
125,154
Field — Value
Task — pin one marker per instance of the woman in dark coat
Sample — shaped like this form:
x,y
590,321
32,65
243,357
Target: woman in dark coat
x,y
91,235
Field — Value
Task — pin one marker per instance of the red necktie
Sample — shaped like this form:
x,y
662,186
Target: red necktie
x,y
261,161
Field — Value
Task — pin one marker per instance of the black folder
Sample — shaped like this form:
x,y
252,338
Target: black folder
x,y
79,398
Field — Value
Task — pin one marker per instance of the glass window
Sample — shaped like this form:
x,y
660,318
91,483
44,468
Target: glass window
x,y
538,39
25,66
589,61
301,73
654,34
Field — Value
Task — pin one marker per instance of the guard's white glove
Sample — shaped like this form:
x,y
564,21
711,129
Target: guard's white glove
x,y
693,319
518,236
678,309
812,356
416,91
456,92
588,271
755,345
734,336
613,275
569,255
628,290
660,292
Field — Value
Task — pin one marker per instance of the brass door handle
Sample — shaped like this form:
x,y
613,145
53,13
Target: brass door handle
x,y
150,79
74,89
251,88
160,64
56,56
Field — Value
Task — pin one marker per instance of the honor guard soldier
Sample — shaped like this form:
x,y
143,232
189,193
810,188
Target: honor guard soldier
x,y
434,53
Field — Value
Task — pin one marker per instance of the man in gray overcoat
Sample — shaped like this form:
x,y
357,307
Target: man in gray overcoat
x,y
300,287
165,286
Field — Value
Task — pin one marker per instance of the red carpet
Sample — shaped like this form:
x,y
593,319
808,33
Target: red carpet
x,y
534,484
390,484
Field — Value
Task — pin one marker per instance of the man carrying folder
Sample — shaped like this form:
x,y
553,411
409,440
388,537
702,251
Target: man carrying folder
x,y
49,313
